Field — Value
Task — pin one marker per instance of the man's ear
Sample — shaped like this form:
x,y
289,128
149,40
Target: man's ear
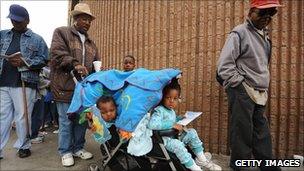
x,y
27,21
250,11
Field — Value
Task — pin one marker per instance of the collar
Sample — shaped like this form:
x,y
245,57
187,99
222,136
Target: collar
x,y
28,32
167,108
264,32
76,33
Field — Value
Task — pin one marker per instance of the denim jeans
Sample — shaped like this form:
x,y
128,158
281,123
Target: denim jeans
x,y
12,109
71,134
37,117
50,112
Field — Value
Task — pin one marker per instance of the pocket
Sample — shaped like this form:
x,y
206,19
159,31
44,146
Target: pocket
x,y
63,81
31,50
241,89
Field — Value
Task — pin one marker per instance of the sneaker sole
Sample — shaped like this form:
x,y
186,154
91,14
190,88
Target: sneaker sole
x,y
68,165
82,158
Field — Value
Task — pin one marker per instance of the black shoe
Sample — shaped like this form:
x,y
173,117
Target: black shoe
x,y
24,153
1,158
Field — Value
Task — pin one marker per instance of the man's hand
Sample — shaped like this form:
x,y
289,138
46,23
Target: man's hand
x,y
82,70
16,60
178,127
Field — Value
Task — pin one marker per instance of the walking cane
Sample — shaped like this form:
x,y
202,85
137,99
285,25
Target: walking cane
x,y
26,114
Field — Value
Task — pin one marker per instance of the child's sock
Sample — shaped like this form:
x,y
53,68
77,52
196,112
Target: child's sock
x,y
201,156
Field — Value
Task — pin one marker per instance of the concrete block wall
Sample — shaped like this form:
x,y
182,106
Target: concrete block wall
x,y
189,35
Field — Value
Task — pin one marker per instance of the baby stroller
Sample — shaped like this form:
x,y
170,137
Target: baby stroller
x,y
135,92
116,157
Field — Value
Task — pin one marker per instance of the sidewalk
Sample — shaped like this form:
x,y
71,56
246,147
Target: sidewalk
x,y
45,156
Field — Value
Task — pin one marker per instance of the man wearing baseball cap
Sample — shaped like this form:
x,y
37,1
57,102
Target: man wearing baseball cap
x,y
71,49
23,54
243,71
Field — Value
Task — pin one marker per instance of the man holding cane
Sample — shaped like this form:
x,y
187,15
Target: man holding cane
x,y
23,54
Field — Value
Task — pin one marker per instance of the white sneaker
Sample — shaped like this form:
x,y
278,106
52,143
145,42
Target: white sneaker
x,y
37,140
195,167
83,154
67,160
208,164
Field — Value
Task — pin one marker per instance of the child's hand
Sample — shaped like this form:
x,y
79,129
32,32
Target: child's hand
x,y
93,128
89,115
178,127
125,134
89,118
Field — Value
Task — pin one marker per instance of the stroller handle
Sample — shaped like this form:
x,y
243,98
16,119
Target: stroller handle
x,y
76,77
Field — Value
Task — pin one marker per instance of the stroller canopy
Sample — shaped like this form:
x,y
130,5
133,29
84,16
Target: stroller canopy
x,y
135,92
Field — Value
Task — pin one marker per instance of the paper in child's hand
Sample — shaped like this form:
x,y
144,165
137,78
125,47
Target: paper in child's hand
x,y
189,117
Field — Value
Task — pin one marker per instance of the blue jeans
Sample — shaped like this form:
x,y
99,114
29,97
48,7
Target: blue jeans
x,y
71,134
11,108
37,117
50,112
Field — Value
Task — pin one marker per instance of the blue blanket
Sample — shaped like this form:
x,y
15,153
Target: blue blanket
x,y
135,92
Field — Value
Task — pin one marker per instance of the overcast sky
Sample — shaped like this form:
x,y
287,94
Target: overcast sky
x,y
45,16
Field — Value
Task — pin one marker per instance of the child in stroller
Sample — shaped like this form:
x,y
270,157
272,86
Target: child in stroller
x,y
135,94
118,158
108,109
164,117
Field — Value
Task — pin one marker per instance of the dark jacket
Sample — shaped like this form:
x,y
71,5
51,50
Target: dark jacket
x,y
66,52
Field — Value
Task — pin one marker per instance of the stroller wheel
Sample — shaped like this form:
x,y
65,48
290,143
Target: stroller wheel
x,y
93,167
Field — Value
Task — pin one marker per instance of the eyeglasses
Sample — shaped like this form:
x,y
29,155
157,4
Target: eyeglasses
x,y
267,12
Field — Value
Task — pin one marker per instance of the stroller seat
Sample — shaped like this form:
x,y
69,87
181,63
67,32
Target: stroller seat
x,y
115,155
165,160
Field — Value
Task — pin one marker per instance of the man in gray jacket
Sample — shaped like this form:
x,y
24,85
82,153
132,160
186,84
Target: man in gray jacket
x,y
243,71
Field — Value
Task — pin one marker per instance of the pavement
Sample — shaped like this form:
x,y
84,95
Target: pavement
x,y
45,156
